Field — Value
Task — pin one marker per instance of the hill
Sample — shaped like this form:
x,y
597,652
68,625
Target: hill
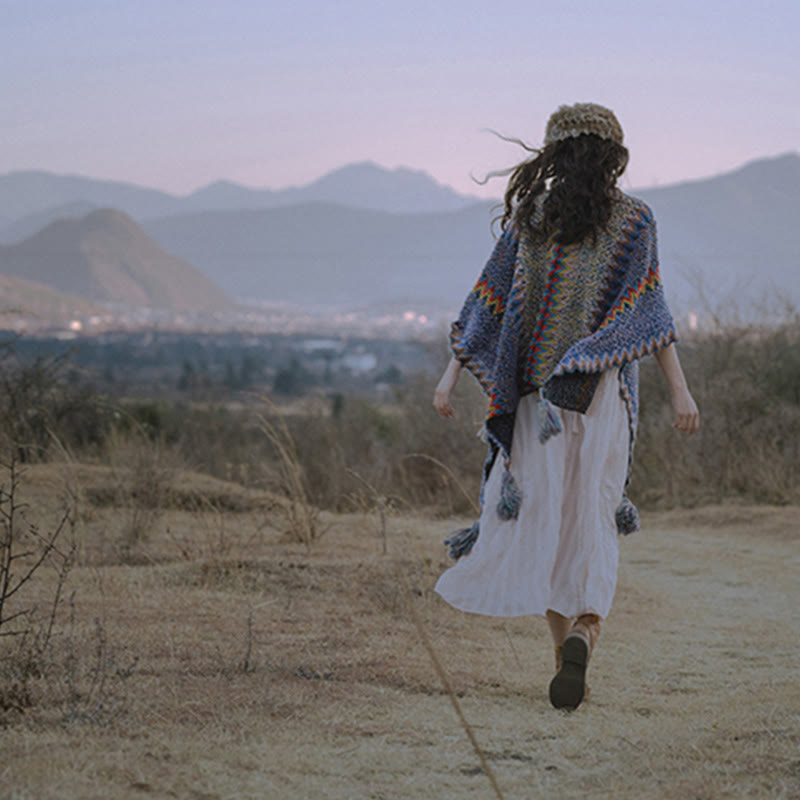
x,y
106,257
26,303
736,233
32,223
732,234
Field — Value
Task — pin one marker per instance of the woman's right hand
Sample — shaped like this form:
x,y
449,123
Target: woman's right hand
x,y
441,395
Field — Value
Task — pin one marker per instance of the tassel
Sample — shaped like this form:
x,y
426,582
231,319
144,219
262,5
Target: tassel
x,y
627,517
461,542
548,420
510,497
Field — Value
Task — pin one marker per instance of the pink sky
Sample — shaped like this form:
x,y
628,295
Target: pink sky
x,y
175,94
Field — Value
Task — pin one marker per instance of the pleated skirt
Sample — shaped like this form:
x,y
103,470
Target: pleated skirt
x,y
561,552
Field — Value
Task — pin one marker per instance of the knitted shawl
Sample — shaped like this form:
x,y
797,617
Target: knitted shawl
x,y
554,318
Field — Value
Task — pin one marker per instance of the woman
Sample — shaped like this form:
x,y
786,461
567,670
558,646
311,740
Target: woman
x,y
568,302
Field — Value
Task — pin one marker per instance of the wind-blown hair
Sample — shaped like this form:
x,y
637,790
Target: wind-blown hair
x,y
578,176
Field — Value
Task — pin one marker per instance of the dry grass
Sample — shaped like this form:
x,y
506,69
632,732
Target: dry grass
x,y
237,664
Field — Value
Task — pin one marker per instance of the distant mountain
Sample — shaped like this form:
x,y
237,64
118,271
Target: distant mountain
x,y
364,185
26,300
734,234
332,255
32,223
106,257
33,191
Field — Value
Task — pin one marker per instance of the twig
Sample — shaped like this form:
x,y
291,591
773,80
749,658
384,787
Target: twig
x,y
246,665
440,671
511,645
303,522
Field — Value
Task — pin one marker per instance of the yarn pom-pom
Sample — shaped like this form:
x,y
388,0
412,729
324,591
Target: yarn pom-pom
x,y
510,497
462,542
548,420
627,517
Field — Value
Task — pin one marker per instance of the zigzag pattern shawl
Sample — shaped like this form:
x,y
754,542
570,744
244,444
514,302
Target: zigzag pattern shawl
x,y
552,317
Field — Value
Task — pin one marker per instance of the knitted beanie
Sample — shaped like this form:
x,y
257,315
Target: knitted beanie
x,y
580,119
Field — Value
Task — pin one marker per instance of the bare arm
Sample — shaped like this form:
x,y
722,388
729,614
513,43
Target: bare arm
x,y
687,417
448,381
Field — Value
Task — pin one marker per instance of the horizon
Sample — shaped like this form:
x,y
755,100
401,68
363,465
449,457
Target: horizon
x,y
370,162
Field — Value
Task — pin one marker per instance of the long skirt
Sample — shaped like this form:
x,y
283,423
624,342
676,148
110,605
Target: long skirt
x,y
561,551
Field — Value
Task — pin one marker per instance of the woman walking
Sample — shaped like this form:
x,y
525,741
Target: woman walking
x,y
568,302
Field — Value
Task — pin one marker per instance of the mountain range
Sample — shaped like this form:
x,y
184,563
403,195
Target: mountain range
x,y
351,238
29,199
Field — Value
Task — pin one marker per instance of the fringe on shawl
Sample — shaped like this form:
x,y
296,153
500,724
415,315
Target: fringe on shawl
x,y
548,421
462,542
510,497
627,517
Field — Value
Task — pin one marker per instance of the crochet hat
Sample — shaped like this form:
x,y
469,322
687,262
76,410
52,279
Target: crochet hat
x,y
580,119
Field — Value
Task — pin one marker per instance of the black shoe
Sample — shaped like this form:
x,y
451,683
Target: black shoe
x,y
569,685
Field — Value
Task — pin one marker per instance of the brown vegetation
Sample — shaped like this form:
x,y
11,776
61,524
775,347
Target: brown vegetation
x,y
200,638
746,382
216,658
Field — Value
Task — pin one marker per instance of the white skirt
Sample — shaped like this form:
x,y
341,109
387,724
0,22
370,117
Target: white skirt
x,y
561,552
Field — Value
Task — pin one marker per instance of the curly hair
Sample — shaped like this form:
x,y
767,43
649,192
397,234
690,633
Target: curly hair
x,y
578,177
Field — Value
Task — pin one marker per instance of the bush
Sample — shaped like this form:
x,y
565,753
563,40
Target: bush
x,y
39,400
746,383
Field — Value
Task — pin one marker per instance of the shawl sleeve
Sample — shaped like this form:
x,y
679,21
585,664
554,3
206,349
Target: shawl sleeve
x,y
475,335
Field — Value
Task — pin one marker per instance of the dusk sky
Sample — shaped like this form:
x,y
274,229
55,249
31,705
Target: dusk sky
x,y
176,94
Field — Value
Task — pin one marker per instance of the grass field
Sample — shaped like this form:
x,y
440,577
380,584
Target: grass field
x,y
209,657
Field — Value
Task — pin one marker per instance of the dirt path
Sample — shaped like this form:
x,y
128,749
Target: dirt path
x,y
694,689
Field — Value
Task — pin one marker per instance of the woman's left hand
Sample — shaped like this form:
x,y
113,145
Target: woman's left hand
x,y
687,417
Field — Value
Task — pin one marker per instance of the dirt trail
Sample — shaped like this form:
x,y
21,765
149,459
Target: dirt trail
x,y
694,687
694,690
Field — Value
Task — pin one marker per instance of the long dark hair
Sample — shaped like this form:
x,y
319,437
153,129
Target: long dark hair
x,y
579,175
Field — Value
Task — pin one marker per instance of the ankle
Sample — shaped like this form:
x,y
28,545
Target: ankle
x,y
587,626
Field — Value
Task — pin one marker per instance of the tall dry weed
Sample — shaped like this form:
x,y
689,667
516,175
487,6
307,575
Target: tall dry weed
x,y
302,516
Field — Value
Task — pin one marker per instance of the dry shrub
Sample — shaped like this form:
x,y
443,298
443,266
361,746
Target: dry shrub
x,y
43,662
746,382
378,445
144,473
38,403
25,553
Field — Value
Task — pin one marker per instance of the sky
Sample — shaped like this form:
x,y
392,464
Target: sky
x,y
176,94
